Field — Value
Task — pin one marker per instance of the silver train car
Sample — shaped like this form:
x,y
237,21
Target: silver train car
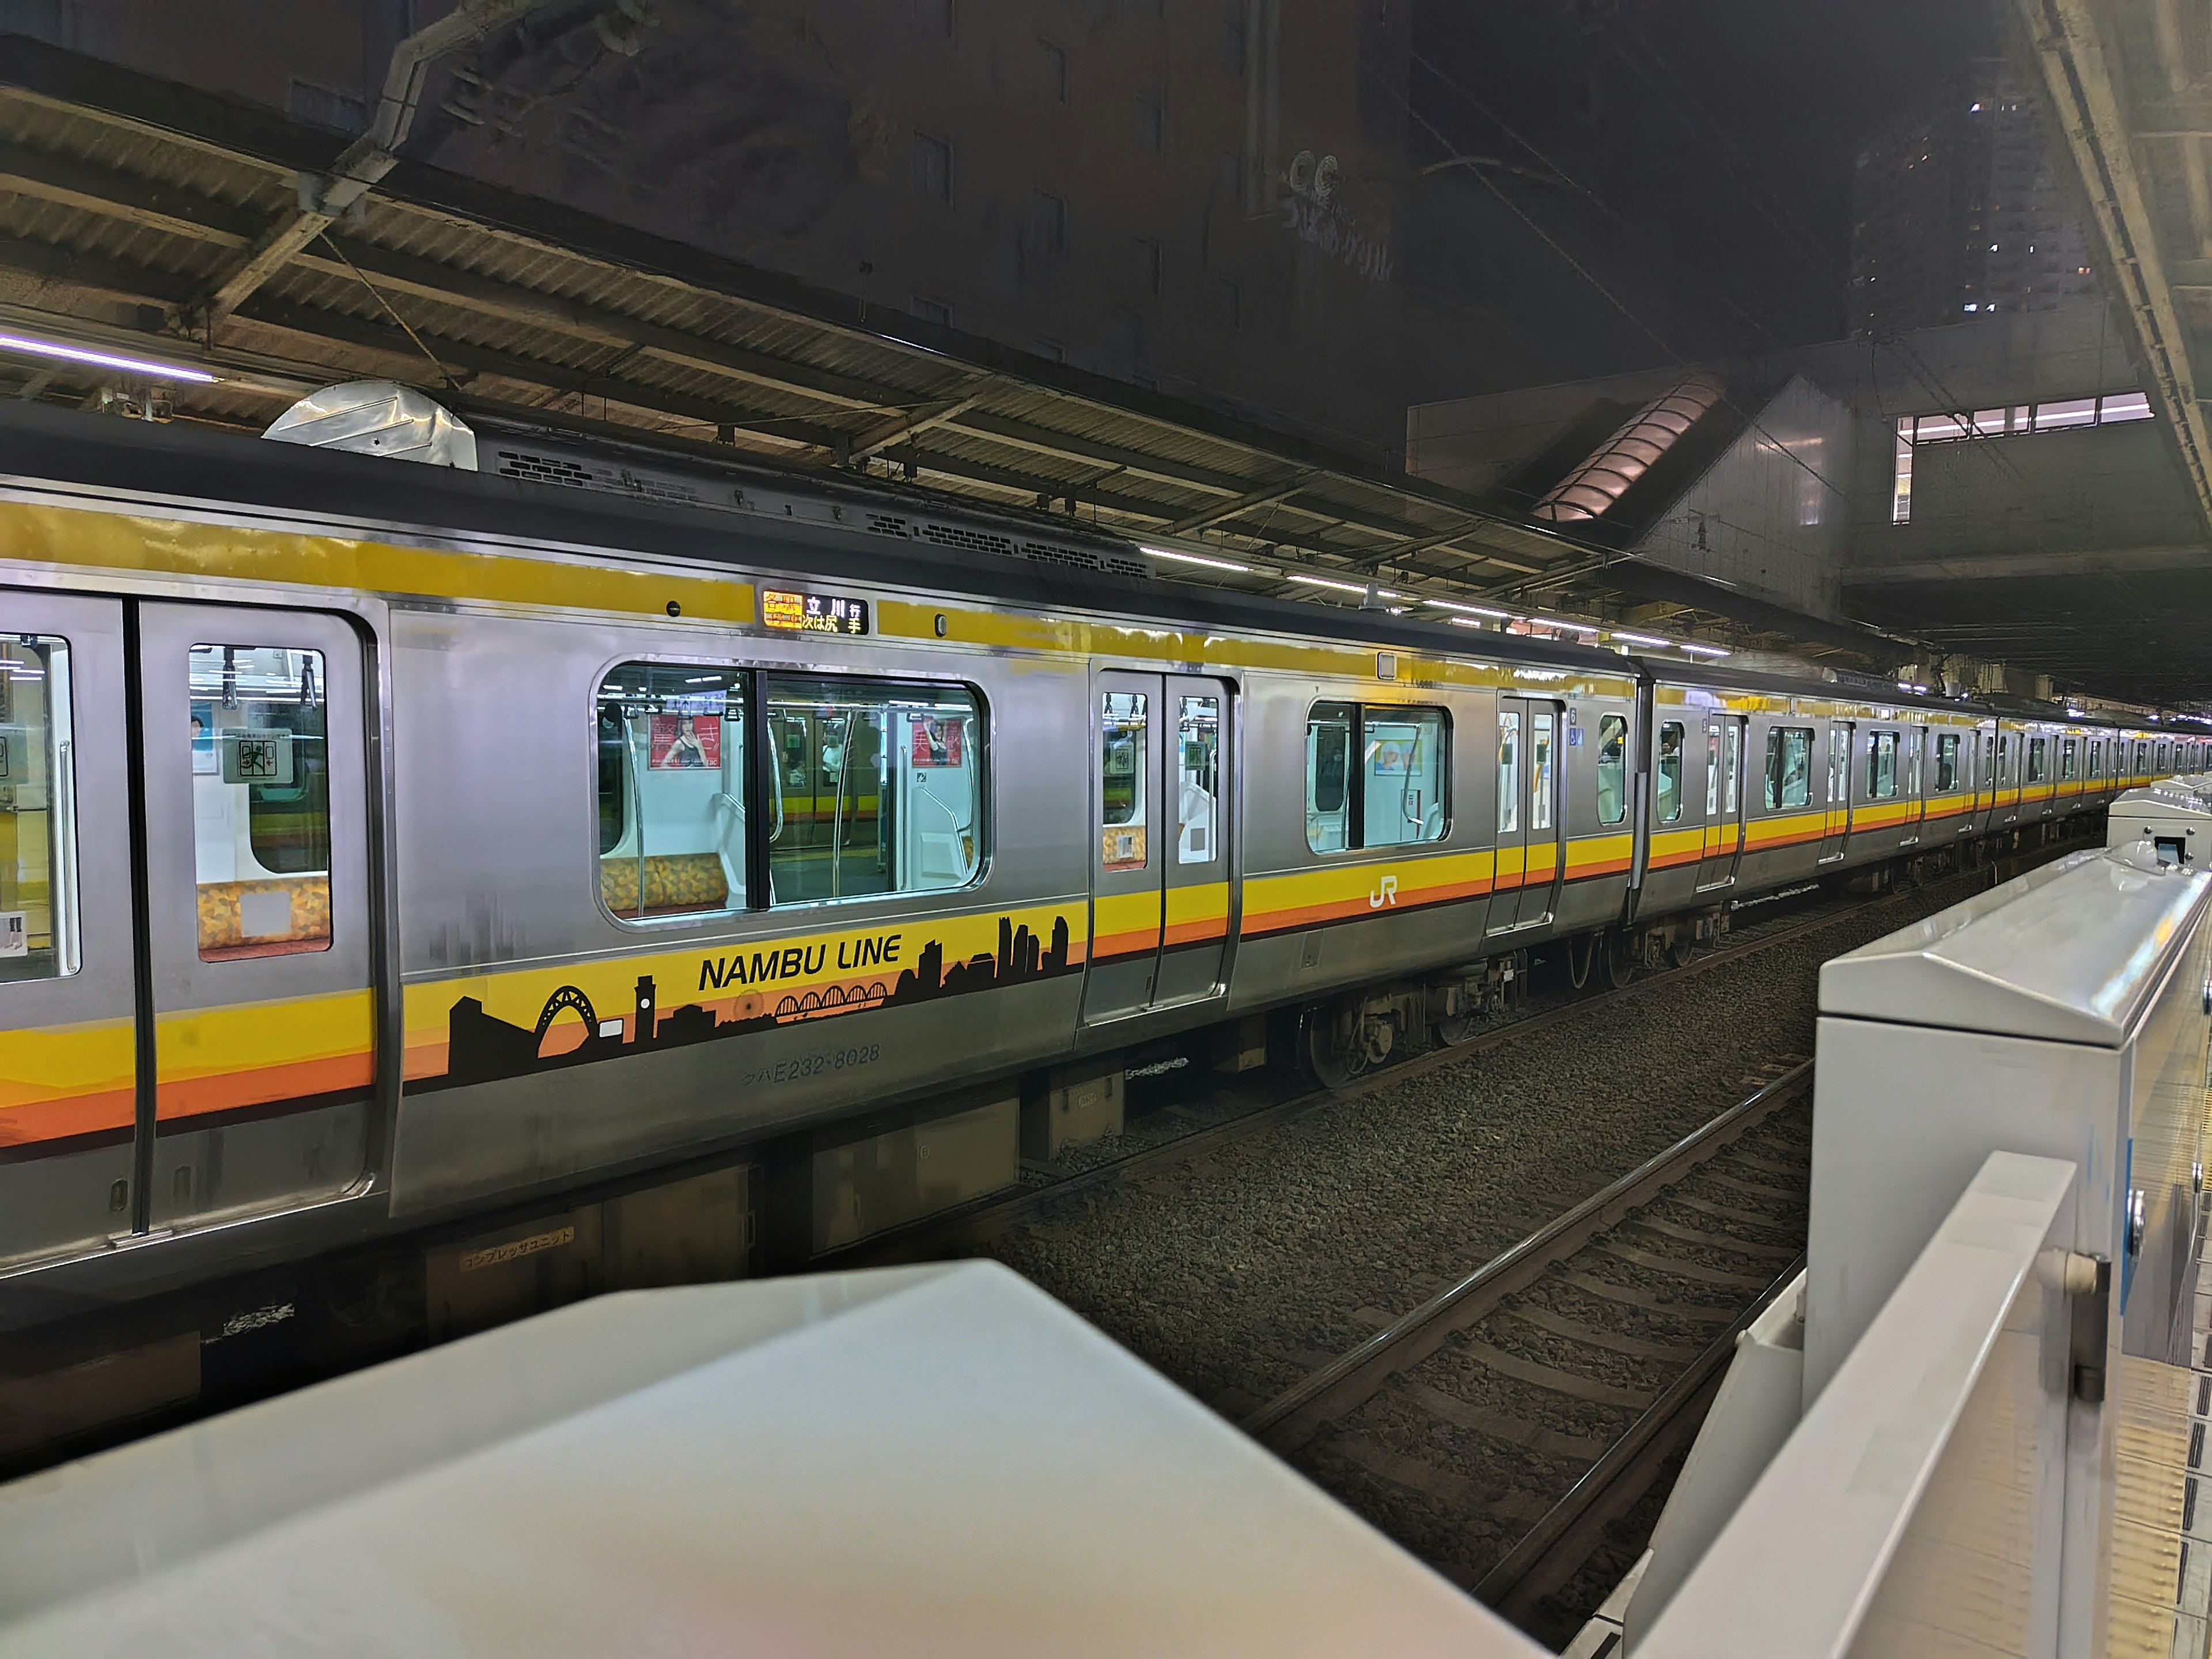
x,y
383,847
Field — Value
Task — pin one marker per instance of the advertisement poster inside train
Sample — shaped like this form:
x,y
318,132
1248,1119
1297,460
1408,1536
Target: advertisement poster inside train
x,y
939,742
685,742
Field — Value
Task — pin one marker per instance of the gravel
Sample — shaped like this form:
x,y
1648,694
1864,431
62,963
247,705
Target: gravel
x,y
1237,1274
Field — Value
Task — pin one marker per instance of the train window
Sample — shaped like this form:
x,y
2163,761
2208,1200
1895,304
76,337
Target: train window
x,y
2038,767
1403,780
1789,766
2159,764
1122,730
1712,772
878,787
1404,775
1881,765
261,800
2065,759
1198,780
1509,769
1613,770
672,758
1946,761
1329,777
1669,786
37,858
1539,770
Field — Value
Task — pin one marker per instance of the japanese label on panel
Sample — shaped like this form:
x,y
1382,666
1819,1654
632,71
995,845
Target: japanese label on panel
x,y
813,613
257,758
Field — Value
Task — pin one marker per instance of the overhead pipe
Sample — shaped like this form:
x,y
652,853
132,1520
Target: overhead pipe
x,y
363,162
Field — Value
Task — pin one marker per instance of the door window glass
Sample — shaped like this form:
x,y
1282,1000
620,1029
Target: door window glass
x,y
1730,787
672,756
261,800
1509,769
1328,776
37,827
1790,766
1539,771
2065,759
1404,770
2038,765
878,788
1123,750
1198,780
1668,789
1881,765
1946,761
1713,771
1613,771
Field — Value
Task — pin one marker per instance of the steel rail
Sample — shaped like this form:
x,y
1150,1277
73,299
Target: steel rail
x,y
1561,1235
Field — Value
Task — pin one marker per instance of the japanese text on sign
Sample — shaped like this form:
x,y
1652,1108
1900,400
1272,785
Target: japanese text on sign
x,y
814,613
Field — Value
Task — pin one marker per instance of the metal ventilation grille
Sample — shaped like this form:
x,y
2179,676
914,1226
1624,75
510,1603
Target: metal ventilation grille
x,y
975,541
978,540
884,524
555,470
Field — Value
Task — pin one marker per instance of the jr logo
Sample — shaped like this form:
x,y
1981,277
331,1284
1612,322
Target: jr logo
x,y
1386,892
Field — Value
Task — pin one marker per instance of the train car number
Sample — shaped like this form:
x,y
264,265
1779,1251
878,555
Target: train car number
x,y
815,1065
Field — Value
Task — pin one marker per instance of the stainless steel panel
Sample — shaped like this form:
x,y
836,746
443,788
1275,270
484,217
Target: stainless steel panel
x,y
862,1188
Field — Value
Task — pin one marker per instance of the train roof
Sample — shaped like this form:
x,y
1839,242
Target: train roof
x,y
830,531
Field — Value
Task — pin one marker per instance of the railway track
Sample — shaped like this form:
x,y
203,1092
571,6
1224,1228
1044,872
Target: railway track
x,y
1503,1426
969,1230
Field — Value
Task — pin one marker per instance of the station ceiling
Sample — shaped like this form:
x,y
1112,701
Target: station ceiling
x,y
142,216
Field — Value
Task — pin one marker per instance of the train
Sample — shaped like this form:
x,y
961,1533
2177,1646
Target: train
x,y
394,857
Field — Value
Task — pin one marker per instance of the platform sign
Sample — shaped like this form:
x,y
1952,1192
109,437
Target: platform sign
x,y
803,612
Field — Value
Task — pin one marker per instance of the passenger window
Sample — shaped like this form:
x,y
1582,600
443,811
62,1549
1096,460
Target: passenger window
x,y
1198,780
1613,770
1881,765
2038,765
878,788
38,855
672,758
1328,773
1669,787
1789,766
1946,761
1508,770
261,800
1405,775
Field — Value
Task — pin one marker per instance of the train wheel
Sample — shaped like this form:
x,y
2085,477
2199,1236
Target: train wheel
x,y
1454,1030
1620,961
1681,950
1327,1061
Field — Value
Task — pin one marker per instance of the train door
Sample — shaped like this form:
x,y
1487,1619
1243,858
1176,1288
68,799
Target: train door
x,y
68,1006
259,959
1528,816
1836,821
1724,800
1160,893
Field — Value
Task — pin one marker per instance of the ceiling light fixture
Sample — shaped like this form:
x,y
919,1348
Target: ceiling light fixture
x,y
1470,610
1702,650
104,359
1360,588
1651,640
1193,558
1570,627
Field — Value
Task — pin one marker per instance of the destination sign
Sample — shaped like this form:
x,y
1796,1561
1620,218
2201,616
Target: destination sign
x,y
803,612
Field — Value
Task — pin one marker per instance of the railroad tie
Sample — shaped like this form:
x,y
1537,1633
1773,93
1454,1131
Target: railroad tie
x,y
1636,1347
1540,1376
1767,1165
1514,1430
1634,1296
1712,1241
1726,1211
1679,1269
1797,1197
1402,1471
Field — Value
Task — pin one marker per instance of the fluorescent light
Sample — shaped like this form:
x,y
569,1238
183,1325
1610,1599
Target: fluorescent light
x,y
103,359
1463,621
1193,558
1651,640
1702,650
1360,588
1470,610
1554,622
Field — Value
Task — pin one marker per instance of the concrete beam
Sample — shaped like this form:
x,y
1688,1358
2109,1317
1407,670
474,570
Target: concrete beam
x,y
2086,561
